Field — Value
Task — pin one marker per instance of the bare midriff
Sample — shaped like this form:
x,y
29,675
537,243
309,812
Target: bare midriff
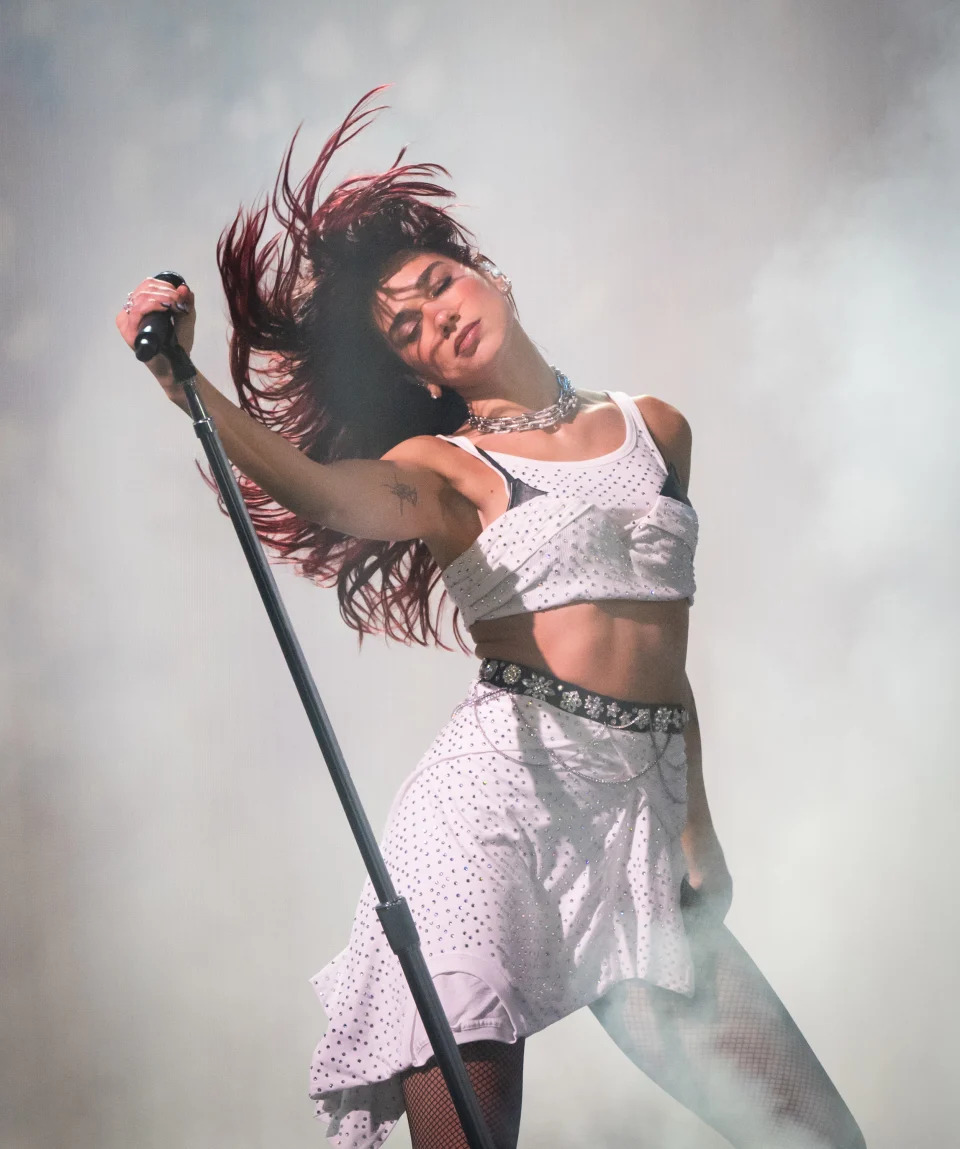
x,y
630,650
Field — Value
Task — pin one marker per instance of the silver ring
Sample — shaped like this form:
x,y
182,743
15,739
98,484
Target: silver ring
x,y
128,306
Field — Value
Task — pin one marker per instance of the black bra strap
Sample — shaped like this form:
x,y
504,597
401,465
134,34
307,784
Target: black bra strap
x,y
493,463
671,486
520,492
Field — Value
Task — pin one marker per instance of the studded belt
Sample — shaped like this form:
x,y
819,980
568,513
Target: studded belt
x,y
661,717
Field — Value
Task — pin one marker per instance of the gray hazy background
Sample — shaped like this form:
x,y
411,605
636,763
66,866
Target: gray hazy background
x,y
748,209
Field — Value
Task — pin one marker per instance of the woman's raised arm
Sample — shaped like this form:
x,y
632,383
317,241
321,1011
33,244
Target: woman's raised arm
x,y
392,499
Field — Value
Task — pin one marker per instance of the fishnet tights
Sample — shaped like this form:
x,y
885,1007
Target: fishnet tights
x,y
732,1053
496,1071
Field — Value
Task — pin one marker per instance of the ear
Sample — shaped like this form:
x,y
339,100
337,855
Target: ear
x,y
434,390
492,272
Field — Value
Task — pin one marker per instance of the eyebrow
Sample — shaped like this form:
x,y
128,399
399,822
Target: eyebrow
x,y
422,280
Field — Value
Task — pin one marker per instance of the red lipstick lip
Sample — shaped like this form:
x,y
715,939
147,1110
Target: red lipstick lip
x,y
463,334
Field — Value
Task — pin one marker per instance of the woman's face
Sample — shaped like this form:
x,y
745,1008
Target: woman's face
x,y
447,321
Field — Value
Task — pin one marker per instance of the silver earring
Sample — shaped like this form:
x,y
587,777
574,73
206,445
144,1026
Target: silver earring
x,y
501,279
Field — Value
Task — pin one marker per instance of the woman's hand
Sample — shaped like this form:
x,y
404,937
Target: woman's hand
x,y
156,295
707,891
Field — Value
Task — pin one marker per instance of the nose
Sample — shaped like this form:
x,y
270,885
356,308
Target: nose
x,y
447,319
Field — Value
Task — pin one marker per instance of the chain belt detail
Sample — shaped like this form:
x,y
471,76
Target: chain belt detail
x,y
660,717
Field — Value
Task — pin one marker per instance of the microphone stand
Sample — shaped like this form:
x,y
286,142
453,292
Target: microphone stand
x,y
393,911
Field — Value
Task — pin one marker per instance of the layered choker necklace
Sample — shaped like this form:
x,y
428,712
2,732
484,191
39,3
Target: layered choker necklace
x,y
567,402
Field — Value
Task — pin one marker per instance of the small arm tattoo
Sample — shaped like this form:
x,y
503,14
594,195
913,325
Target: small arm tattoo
x,y
404,492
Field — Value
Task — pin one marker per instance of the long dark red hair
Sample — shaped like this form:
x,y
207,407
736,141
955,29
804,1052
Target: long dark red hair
x,y
308,362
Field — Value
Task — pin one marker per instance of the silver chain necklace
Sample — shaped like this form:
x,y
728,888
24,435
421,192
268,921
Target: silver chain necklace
x,y
567,402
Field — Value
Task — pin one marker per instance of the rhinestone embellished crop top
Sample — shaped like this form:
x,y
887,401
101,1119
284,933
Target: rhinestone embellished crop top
x,y
615,527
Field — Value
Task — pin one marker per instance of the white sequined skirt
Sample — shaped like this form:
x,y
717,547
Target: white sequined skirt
x,y
540,855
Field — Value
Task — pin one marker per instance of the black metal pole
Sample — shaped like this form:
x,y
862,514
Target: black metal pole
x,y
393,911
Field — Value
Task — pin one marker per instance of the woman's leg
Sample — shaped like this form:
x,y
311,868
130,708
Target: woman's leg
x,y
731,1053
496,1071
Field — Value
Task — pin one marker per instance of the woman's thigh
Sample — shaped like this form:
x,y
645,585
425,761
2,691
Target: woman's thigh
x,y
495,1069
731,1053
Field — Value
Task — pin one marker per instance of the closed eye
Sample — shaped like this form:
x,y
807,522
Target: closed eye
x,y
409,334
404,327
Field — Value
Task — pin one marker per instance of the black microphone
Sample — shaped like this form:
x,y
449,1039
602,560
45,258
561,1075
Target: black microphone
x,y
155,331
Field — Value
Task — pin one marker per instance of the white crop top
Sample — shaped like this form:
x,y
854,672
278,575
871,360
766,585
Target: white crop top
x,y
615,527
